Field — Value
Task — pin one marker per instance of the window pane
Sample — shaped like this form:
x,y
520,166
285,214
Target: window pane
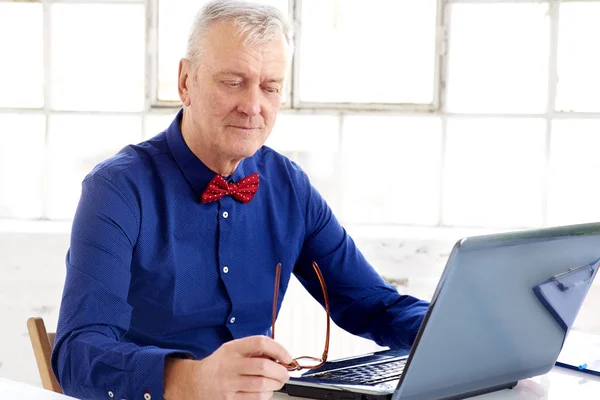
x,y
313,142
391,170
494,172
578,57
21,161
98,57
156,123
77,144
574,165
299,132
381,51
22,60
174,22
498,58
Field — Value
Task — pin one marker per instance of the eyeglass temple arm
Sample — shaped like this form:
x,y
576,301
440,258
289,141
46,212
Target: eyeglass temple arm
x,y
275,297
326,298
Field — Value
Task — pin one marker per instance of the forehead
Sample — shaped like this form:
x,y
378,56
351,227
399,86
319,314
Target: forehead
x,y
225,48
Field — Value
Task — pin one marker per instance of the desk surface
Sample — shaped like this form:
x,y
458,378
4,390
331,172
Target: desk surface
x,y
558,384
21,391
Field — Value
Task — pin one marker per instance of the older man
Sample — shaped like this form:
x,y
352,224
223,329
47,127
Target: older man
x,y
175,242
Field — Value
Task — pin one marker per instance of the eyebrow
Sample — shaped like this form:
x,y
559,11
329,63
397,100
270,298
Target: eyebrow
x,y
231,72
244,76
278,80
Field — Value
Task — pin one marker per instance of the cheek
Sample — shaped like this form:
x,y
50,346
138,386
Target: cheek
x,y
218,104
270,110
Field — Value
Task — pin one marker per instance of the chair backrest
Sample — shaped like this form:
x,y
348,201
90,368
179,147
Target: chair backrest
x,y
42,343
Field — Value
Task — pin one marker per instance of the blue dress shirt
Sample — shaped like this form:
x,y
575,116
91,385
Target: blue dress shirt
x,y
152,272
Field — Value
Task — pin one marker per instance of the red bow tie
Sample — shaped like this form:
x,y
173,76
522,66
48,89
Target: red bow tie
x,y
243,191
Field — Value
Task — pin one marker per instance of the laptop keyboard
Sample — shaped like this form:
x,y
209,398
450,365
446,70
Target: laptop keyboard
x,y
370,374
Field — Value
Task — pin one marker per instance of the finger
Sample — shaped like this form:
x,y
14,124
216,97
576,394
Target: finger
x,y
263,367
256,346
256,384
253,396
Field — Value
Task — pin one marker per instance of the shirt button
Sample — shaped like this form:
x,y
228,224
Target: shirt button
x,y
232,320
225,269
225,214
147,396
111,394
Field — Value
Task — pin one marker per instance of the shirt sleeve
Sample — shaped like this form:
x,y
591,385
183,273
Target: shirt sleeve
x,y
361,302
91,359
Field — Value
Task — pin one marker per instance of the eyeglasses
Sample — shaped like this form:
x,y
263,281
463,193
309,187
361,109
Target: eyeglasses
x,y
304,362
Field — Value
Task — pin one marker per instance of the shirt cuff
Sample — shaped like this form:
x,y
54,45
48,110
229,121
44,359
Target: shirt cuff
x,y
148,380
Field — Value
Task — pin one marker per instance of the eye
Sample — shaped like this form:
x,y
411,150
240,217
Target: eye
x,y
233,84
272,90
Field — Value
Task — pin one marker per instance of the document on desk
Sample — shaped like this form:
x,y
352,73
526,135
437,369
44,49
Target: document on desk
x,y
581,352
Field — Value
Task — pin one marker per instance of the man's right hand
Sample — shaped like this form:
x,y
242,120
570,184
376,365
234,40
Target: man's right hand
x,y
241,369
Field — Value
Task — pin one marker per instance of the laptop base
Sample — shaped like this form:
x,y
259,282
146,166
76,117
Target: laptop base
x,y
474,393
327,394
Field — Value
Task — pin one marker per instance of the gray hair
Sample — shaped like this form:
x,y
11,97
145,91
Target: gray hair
x,y
257,23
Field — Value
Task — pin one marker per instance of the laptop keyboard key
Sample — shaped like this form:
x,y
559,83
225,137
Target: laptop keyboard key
x,y
366,374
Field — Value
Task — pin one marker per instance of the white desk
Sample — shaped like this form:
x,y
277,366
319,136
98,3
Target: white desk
x,y
20,391
558,384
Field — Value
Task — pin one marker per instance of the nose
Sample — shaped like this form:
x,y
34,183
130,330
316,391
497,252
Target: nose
x,y
250,102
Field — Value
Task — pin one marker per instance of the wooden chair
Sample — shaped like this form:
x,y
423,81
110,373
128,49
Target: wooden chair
x,y
42,343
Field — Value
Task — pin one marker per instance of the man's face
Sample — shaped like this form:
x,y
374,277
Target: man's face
x,y
234,95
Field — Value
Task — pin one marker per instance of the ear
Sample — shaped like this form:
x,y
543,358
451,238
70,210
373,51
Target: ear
x,y
183,82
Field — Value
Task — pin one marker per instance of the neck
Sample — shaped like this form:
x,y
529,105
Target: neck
x,y
218,165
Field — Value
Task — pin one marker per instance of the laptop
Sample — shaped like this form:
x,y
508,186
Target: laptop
x,y
500,313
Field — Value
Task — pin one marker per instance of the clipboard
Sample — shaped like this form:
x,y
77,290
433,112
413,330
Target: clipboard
x,y
563,294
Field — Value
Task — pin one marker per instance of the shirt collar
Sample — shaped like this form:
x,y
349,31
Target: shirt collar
x,y
195,171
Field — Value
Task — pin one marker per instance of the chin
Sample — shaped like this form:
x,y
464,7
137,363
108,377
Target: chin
x,y
245,148
245,152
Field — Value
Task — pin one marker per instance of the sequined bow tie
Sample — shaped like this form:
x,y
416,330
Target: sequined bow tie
x,y
242,191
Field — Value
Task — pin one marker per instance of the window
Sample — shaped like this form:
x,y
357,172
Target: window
x,y
381,51
21,165
574,163
480,112
95,68
354,37
498,58
21,63
494,172
578,57
313,142
396,180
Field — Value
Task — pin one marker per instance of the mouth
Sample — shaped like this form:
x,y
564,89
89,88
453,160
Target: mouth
x,y
245,128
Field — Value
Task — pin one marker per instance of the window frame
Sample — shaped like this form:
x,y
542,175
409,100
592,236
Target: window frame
x,y
293,88
293,106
